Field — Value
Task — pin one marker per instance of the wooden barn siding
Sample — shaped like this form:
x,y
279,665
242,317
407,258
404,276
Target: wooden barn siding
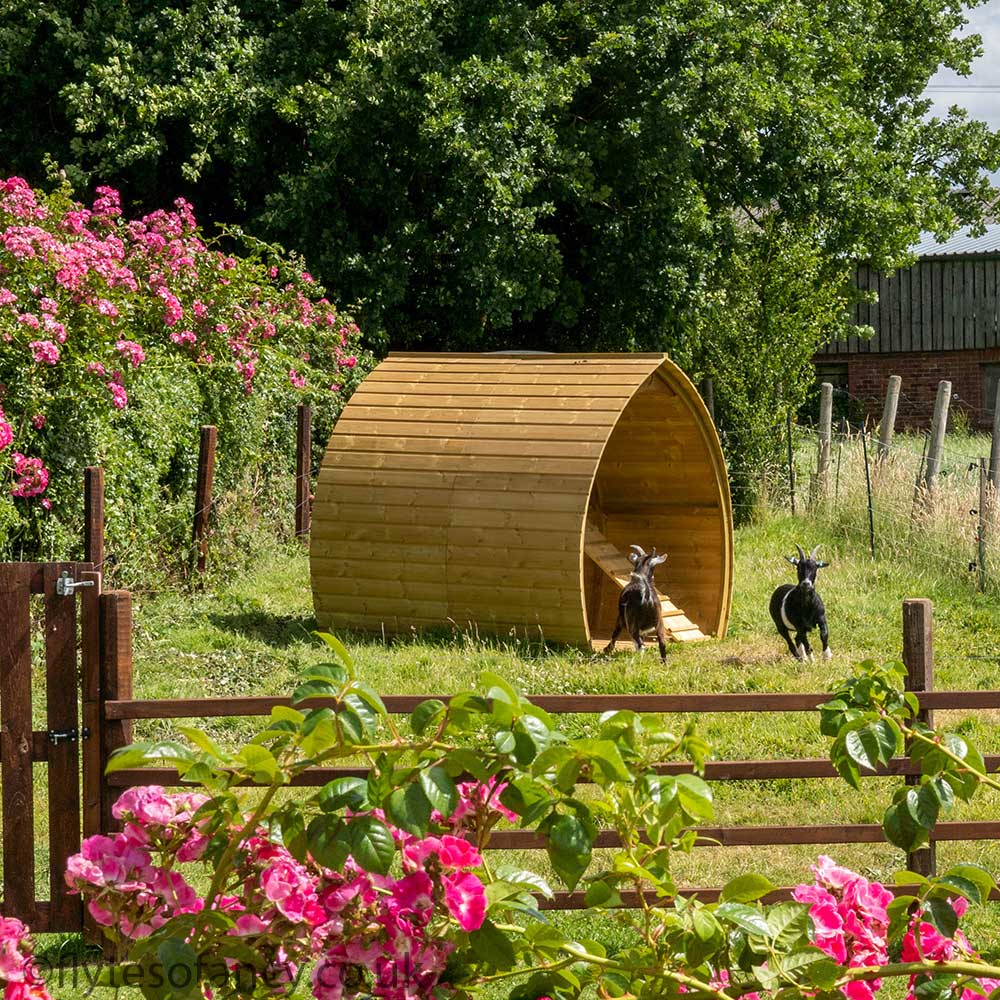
x,y
939,304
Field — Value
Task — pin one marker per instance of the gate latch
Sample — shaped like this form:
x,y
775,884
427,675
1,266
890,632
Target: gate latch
x,y
57,736
65,585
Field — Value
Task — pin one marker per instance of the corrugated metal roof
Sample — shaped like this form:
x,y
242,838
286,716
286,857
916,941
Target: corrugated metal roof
x,y
960,243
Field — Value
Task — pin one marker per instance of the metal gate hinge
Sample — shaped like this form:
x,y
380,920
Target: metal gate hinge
x,y
65,585
57,736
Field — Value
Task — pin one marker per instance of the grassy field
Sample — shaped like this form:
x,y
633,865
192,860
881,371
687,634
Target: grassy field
x,y
251,634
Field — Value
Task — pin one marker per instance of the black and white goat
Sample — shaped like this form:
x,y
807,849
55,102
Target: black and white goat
x,y
797,608
639,608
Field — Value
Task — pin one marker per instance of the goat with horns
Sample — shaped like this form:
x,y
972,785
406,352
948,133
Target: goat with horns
x,y
797,608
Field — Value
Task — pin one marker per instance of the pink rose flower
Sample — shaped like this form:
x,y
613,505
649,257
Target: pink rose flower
x,y
465,898
44,352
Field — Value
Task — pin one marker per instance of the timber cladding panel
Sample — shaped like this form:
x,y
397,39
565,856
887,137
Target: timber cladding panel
x,y
456,490
946,303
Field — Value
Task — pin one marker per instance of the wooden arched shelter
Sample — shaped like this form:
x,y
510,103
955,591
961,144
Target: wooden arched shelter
x,y
501,492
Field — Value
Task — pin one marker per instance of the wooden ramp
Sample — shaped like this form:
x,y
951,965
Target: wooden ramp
x,y
613,562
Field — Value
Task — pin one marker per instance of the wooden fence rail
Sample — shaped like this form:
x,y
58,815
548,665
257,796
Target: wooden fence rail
x,y
109,710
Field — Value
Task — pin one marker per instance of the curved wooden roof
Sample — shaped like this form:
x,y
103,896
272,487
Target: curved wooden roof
x,y
457,489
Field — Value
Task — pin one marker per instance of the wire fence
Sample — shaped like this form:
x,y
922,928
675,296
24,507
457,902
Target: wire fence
x,y
948,529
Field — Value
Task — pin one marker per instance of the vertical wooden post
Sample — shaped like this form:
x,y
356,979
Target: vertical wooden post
x,y
90,672
93,516
303,469
61,715
888,425
16,773
825,435
116,683
868,487
938,427
981,526
918,656
995,443
203,494
708,395
791,461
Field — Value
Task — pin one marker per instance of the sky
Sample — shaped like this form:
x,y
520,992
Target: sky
x,y
980,91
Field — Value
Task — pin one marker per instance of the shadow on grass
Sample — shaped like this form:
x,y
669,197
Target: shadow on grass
x,y
274,630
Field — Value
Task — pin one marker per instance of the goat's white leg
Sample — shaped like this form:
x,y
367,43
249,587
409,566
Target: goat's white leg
x,y
800,653
827,653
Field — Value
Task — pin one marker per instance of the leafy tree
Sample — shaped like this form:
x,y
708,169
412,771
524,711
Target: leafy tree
x,y
565,176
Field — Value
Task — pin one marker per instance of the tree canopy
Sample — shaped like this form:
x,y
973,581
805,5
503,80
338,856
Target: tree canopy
x,y
477,174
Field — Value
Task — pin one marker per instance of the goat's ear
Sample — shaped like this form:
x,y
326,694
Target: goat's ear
x,y
822,565
793,560
656,560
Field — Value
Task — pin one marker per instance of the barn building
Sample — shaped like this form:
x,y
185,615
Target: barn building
x,y
935,320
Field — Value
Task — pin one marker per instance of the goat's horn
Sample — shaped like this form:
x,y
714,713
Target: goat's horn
x,y
802,554
639,549
814,551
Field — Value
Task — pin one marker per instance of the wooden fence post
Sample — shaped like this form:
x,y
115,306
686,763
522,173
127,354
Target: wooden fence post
x,y
886,428
203,494
938,426
708,395
984,501
918,656
825,435
995,443
791,461
303,469
116,684
93,516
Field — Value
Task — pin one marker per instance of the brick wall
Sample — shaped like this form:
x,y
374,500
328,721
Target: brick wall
x,y
868,375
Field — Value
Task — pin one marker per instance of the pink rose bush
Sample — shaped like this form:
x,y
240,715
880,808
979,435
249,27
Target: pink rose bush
x,y
19,976
388,935
86,292
851,922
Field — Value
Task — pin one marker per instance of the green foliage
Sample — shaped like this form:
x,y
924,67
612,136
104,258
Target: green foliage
x,y
118,338
694,178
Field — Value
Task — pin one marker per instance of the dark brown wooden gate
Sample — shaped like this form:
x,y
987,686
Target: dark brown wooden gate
x,y
70,625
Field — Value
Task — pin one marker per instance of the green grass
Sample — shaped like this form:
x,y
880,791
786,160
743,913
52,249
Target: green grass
x,y
252,634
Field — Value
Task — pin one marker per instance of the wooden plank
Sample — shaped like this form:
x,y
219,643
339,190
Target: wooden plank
x,y
504,356
715,770
445,497
967,304
484,416
303,469
474,431
504,591
903,281
90,672
981,306
583,704
525,465
517,381
116,683
922,270
412,390
578,402
993,303
64,757
354,517
405,535
501,447
203,492
93,515
556,364
40,924
341,476
16,777
939,304
327,557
